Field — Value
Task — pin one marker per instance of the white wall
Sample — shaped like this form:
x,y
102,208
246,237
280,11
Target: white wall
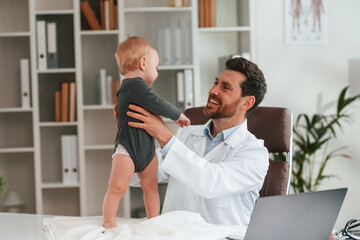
x,y
298,76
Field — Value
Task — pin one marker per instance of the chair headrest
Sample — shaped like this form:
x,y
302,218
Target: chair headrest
x,y
273,125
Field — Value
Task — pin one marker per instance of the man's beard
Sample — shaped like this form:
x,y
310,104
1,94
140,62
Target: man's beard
x,y
224,111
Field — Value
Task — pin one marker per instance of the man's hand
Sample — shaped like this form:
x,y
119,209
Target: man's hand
x,y
151,123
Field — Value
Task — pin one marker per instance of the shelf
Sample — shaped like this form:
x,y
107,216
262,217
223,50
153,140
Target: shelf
x,y
98,107
225,29
57,124
15,110
98,32
51,164
57,70
157,9
54,12
99,147
16,149
61,201
55,185
12,49
175,67
16,130
15,34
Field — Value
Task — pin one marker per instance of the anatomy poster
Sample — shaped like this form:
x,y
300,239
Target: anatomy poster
x,y
306,22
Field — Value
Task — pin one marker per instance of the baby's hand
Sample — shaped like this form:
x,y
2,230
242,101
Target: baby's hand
x,y
183,121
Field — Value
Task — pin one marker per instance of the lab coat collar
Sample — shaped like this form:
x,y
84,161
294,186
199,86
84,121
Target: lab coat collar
x,y
233,140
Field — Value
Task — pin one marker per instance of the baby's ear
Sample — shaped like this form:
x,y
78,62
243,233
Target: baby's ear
x,y
142,63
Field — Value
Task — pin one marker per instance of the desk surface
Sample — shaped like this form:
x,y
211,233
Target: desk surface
x,y
17,226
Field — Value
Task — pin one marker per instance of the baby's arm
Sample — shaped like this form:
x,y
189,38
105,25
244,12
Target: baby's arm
x,y
146,98
183,121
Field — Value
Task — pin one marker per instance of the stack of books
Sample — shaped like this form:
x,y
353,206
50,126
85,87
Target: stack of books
x,y
105,15
65,102
207,13
179,3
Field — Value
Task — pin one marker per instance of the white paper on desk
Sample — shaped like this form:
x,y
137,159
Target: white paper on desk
x,y
177,225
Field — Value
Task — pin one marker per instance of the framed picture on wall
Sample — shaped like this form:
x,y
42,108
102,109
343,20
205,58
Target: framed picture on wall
x,y
306,22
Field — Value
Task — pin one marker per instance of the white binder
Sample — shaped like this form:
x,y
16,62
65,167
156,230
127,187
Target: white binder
x,y
25,83
41,44
189,95
180,93
69,155
65,156
178,45
73,165
52,55
103,86
167,46
109,80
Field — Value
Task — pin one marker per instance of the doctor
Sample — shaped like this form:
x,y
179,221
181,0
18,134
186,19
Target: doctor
x,y
216,169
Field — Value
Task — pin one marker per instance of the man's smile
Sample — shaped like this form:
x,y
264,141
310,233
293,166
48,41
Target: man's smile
x,y
213,101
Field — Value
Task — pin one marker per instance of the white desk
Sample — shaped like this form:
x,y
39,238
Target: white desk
x,y
16,226
30,226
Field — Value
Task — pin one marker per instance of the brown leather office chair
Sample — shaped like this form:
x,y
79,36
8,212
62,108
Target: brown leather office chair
x,y
274,126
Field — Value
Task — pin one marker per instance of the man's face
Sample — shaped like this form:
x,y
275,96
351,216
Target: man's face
x,y
225,96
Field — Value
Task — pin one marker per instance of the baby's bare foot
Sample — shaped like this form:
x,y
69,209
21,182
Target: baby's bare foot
x,y
109,226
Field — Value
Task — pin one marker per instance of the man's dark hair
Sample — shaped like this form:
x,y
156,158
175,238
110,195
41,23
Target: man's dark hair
x,y
254,85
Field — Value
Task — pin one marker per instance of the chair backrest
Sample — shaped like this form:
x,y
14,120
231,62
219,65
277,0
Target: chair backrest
x,y
274,126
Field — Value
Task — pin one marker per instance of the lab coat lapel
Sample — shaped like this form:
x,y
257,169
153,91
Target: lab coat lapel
x,y
199,146
236,138
212,156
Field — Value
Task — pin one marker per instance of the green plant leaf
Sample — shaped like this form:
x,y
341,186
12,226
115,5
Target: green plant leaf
x,y
312,135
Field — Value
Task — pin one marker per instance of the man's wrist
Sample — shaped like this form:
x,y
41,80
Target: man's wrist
x,y
165,138
164,150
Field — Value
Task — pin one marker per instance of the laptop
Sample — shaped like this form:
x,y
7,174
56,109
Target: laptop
x,y
297,216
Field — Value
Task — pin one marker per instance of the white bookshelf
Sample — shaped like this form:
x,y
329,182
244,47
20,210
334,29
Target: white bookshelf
x,y
54,12
15,109
15,34
224,29
35,157
59,185
57,70
157,9
99,32
233,34
57,124
17,150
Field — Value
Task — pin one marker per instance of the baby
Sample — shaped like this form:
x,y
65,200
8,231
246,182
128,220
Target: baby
x,y
135,148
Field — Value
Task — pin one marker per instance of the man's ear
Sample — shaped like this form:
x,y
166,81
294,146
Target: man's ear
x,y
142,63
249,101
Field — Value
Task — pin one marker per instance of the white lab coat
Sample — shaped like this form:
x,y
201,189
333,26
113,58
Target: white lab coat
x,y
222,185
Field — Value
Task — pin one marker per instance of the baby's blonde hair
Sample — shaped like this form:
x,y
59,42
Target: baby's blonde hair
x,y
129,52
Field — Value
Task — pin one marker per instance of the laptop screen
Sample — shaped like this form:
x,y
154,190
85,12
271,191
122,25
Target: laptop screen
x,y
297,216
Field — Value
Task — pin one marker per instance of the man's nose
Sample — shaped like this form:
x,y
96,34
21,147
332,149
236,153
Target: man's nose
x,y
214,90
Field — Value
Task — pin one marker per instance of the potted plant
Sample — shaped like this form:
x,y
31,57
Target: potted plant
x,y
312,135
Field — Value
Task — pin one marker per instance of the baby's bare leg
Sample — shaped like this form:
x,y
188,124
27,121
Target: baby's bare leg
x,y
149,184
122,171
